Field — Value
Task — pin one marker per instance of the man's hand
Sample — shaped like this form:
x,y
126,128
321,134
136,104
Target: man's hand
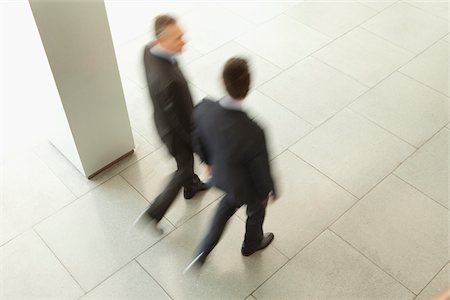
x,y
209,170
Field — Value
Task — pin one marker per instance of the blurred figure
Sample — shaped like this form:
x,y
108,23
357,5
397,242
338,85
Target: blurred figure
x,y
173,107
235,147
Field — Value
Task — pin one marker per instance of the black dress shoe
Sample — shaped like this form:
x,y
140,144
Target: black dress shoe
x,y
266,240
190,192
197,263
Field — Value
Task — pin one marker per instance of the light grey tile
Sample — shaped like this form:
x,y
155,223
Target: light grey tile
x,y
94,237
408,27
302,90
225,266
352,151
258,11
29,270
131,282
150,175
206,72
399,229
405,107
330,269
77,182
378,5
282,127
250,298
308,203
431,67
427,169
30,192
285,41
436,7
364,56
208,26
437,286
331,18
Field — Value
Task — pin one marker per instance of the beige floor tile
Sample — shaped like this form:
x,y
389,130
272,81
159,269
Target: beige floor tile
x,y
364,56
285,41
431,67
94,236
408,109
330,269
313,90
29,270
399,229
352,151
427,169
408,27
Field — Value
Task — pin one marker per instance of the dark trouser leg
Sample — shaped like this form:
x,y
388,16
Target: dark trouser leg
x,y
223,213
253,226
183,176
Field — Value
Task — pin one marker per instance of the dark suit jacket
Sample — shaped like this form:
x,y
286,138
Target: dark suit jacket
x,y
236,148
169,91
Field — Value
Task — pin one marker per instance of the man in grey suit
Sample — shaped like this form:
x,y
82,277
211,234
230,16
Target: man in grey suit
x,y
173,107
235,147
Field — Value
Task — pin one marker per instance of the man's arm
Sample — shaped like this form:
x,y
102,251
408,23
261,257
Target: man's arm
x,y
197,139
260,167
170,104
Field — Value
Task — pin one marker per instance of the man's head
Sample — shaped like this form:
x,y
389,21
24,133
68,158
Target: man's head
x,y
168,34
236,77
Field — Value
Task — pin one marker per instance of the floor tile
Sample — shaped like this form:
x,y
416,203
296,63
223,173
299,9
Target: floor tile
x,y
150,175
302,90
331,18
219,29
29,269
257,11
364,56
308,203
94,236
378,5
431,67
282,127
437,286
399,229
30,192
330,269
438,8
408,27
285,41
404,107
131,282
352,151
427,169
206,72
77,182
225,266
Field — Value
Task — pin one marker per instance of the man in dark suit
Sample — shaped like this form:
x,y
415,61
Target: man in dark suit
x,y
173,107
235,147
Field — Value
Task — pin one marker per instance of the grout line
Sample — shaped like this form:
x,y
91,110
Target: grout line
x,y
421,192
423,83
62,264
154,279
370,260
440,270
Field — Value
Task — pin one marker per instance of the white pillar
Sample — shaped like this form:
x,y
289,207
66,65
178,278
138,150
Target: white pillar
x,y
90,125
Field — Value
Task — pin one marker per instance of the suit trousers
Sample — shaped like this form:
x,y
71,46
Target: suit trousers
x,y
183,177
256,212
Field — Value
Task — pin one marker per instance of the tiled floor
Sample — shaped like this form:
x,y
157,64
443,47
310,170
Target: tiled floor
x,y
354,98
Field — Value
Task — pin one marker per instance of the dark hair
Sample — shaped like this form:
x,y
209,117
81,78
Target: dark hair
x,y
161,23
236,77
